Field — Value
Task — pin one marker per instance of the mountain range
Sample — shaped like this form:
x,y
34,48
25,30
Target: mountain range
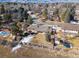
x,y
41,1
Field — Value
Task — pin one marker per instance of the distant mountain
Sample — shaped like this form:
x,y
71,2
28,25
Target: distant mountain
x,y
12,0
27,1
41,1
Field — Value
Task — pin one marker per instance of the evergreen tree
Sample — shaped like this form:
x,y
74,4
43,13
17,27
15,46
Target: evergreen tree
x,y
44,13
72,13
25,15
30,20
57,13
20,14
2,9
68,15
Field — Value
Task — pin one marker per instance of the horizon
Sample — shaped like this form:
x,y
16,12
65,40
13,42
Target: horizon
x,y
41,1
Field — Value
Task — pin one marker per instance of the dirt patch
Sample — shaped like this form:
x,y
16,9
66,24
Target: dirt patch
x,y
40,38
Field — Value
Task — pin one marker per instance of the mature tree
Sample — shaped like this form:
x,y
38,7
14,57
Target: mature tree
x,y
15,10
72,13
30,20
0,20
69,14
7,17
2,9
57,14
25,15
20,13
44,13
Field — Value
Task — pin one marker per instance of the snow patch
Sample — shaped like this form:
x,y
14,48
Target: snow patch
x,y
27,39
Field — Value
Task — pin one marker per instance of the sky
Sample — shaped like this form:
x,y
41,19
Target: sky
x,y
40,1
